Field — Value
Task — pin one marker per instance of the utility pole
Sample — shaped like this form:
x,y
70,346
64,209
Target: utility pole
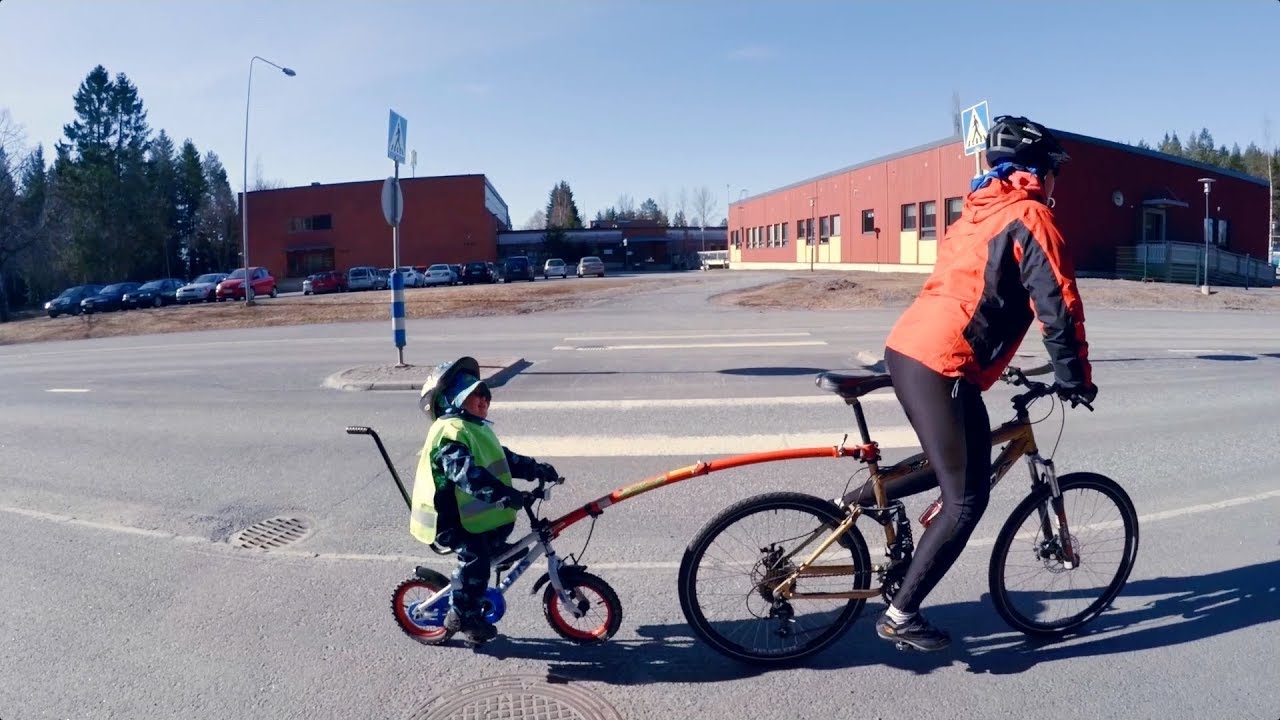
x,y
813,241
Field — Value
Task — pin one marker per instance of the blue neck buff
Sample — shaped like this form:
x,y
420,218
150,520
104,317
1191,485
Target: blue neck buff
x,y
1000,172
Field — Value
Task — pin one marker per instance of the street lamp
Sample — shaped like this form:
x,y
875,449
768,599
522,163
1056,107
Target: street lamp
x,y
244,198
1208,230
813,211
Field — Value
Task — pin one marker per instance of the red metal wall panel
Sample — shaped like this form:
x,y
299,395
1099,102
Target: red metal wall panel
x,y
445,220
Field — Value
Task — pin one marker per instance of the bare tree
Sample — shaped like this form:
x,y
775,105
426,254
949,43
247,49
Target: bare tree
x,y
536,221
956,111
626,206
664,203
260,182
704,203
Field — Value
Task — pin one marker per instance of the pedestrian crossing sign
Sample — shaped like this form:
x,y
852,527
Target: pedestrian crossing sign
x,y
974,123
397,137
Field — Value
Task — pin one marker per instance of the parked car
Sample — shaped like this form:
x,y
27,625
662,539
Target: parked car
x,y
202,289
323,282
494,271
232,288
477,272
413,277
517,267
383,280
555,266
591,265
108,299
153,294
362,277
439,274
68,301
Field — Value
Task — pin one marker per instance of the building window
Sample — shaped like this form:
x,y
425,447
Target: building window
x,y
908,217
804,229
954,207
784,234
824,229
311,222
929,219
868,222
835,226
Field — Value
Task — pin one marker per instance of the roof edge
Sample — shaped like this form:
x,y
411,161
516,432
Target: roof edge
x,y
1157,155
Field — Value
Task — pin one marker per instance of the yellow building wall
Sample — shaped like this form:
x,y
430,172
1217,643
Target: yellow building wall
x,y
908,243
928,252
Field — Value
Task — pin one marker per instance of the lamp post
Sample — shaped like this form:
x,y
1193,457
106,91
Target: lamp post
x,y
1208,230
809,238
244,197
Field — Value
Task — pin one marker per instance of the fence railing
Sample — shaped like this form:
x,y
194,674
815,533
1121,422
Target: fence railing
x,y
1185,263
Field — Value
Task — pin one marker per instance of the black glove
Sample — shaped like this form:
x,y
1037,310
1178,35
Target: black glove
x,y
511,499
1078,394
546,472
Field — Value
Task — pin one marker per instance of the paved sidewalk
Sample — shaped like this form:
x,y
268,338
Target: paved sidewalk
x,y
494,371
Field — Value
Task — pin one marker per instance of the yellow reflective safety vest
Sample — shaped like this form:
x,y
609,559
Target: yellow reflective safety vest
x,y
429,487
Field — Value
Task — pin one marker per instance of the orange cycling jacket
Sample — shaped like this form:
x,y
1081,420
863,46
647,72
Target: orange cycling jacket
x,y
1001,264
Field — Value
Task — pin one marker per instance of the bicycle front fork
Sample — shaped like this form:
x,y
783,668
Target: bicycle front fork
x,y
1042,470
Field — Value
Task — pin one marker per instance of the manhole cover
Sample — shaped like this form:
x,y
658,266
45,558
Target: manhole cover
x,y
271,534
516,697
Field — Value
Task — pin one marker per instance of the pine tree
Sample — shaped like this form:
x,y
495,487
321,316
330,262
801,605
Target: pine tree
x,y
12,235
191,191
218,225
1170,145
162,189
562,211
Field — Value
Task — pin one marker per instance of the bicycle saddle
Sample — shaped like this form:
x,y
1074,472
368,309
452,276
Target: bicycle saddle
x,y
853,385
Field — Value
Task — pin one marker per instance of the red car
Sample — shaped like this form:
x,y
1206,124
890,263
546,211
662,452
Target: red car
x,y
233,287
324,282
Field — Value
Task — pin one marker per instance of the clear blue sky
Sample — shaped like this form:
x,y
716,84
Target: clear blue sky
x,y
636,97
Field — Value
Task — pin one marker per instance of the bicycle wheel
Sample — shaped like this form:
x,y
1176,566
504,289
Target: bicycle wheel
x,y
428,626
593,596
731,567
1031,585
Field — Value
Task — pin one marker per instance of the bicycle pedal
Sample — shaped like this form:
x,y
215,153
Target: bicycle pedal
x,y
903,647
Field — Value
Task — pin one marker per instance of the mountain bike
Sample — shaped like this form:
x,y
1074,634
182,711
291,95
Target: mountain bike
x,y
579,606
781,576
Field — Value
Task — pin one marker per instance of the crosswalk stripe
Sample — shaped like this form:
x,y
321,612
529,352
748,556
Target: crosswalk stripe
x,y
826,399
580,338
694,345
694,445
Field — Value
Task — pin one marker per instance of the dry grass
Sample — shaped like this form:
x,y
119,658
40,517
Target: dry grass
x,y
459,301
852,290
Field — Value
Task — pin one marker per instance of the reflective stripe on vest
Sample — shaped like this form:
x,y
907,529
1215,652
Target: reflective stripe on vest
x,y
476,516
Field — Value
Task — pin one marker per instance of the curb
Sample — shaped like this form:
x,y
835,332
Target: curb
x,y
495,372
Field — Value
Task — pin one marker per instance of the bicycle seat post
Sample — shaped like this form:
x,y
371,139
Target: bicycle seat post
x,y
861,418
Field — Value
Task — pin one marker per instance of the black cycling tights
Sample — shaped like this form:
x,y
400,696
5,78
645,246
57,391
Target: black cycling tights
x,y
951,420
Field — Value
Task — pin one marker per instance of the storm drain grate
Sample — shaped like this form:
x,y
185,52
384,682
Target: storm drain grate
x,y
516,697
271,534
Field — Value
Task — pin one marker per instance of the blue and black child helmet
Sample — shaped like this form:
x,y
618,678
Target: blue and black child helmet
x,y
1025,143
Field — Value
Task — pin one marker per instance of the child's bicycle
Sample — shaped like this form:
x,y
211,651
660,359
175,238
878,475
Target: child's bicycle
x,y
579,606
781,576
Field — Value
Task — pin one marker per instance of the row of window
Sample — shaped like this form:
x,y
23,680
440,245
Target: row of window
x,y
311,222
776,235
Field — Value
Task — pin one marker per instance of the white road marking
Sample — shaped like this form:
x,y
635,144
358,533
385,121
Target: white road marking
x,y
633,404
67,390
580,338
421,559
687,346
695,446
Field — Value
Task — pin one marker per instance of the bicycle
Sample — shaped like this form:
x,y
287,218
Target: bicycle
x,y
775,583
579,606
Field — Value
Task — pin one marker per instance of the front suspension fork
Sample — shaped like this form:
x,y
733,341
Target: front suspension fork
x,y
1070,557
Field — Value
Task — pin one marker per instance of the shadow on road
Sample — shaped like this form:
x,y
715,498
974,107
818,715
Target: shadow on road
x,y
1178,610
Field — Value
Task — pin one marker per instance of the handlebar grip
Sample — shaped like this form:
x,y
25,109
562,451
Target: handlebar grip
x,y
357,430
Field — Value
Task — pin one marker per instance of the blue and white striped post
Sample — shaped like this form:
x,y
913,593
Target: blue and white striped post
x,y
397,309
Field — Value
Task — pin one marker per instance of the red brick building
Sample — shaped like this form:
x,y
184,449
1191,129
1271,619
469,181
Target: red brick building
x,y
890,213
296,231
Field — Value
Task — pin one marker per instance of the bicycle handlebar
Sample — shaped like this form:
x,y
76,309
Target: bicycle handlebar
x,y
1018,378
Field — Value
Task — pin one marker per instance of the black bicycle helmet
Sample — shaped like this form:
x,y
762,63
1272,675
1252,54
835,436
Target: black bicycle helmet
x,y
1023,142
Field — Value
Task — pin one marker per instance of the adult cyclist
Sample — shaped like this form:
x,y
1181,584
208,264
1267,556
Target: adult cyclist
x,y
1001,265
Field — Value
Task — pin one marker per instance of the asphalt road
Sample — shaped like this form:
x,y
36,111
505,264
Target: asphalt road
x,y
128,462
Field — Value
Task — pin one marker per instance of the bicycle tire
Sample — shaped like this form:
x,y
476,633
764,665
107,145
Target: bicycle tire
x,y
414,590
561,619
1003,598
825,513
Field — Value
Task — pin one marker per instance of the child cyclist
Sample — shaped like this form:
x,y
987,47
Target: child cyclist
x,y
462,493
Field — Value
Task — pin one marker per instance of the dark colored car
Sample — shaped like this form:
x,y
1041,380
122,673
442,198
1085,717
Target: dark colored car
x,y
457,273
517,267
154,293
68,301
108,299
323,282
477,272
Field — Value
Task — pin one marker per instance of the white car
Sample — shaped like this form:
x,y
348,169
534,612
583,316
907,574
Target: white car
x,y
440,274
202,289
555,266
412,278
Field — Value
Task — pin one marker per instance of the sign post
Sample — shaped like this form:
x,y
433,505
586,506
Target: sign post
x,y
974,124
393,211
